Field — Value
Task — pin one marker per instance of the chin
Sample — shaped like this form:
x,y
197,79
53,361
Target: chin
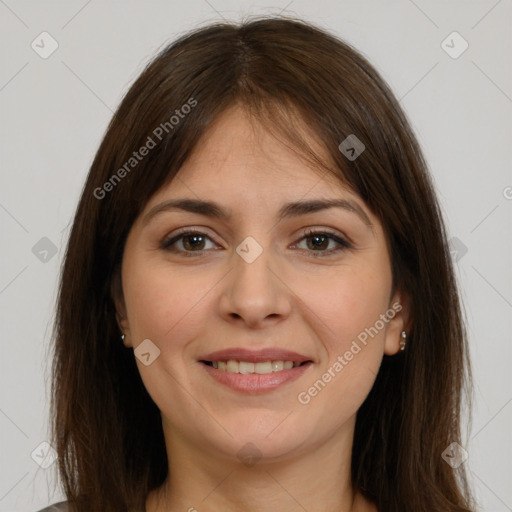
x,y
269,437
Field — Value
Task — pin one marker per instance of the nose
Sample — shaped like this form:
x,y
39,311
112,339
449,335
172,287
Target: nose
x,y
255,293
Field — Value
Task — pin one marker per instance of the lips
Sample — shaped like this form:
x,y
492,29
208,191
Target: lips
x,y
255,383
255,371
254,356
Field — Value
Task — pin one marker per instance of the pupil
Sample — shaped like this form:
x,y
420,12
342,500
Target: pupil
x,y
316,238
195,238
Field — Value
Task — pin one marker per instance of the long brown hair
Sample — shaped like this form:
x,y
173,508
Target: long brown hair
x,y
107,430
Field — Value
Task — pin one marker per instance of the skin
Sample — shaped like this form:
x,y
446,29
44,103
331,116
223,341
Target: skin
x,y
286,298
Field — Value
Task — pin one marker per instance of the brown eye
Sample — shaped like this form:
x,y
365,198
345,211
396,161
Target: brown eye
x,y
318,241
190,242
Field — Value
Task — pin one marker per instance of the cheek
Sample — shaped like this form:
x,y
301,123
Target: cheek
x,y
162,303
168,307
352,332
349,304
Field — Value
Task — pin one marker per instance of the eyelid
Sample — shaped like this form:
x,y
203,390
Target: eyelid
x,y
341,240
336,233
175,236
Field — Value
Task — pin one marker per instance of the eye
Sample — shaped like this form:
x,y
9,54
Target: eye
x,y
192,241
320,240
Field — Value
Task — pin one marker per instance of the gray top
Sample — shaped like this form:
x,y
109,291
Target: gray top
x,y
57,507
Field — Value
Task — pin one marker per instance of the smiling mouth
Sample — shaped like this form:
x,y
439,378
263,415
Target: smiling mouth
x,y
247,368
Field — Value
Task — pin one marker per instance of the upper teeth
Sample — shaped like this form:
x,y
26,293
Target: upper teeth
x,y
245,367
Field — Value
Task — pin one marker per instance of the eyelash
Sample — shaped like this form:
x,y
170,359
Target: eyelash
x,y
167,244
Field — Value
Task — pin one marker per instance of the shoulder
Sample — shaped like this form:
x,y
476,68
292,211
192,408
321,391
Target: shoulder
x,y
57,507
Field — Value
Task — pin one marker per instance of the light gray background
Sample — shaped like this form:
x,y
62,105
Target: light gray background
x,y
53,113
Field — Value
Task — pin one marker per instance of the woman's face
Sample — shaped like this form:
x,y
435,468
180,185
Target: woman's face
x,y
255,287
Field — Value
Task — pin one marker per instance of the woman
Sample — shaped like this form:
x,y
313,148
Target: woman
x,y
257,307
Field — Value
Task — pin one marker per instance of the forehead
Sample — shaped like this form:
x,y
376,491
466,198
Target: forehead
x,y
239,157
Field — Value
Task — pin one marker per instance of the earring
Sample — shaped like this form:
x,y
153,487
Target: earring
x,y
403,341
122,337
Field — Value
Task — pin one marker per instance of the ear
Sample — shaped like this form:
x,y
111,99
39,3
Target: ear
x,y
400,306
116,292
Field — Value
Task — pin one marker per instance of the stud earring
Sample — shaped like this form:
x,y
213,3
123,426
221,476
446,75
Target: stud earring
x,y
122,337
403,341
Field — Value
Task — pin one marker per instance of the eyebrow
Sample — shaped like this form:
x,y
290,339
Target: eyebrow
x,y
289,210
